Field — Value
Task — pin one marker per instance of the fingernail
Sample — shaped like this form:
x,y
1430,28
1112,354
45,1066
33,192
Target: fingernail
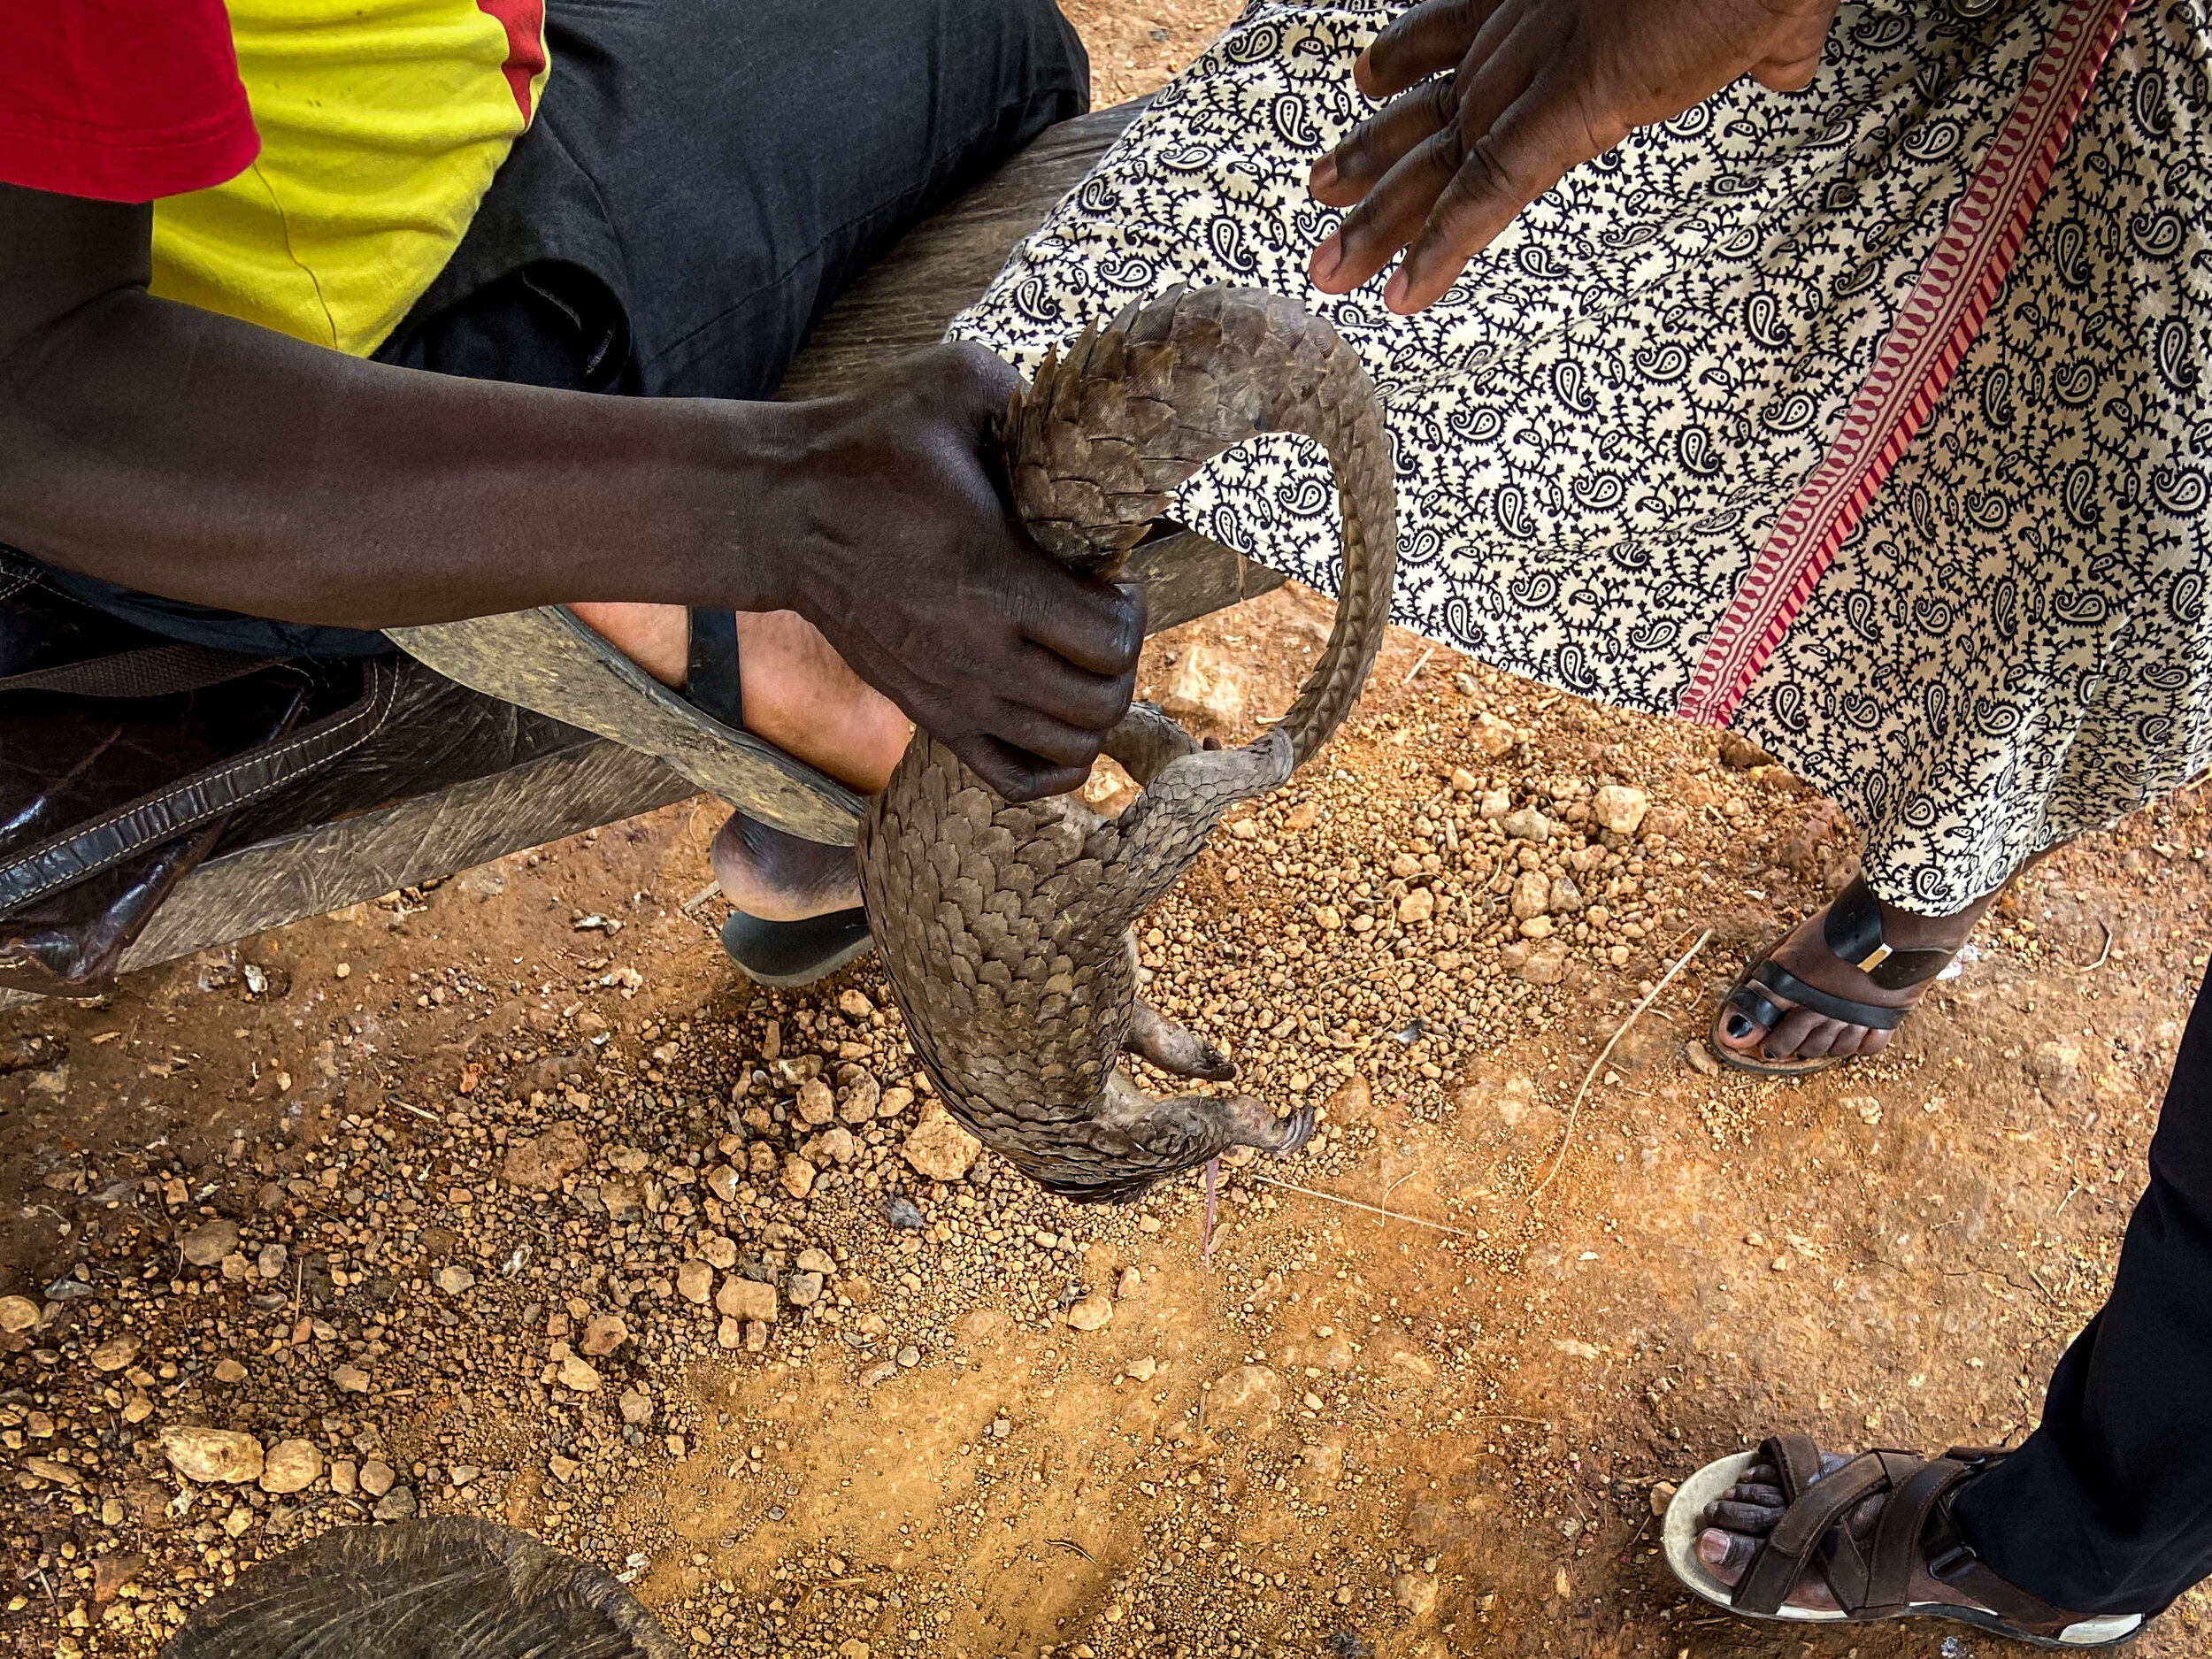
x,y
1739,1027
1324,175
1395,294
1326,258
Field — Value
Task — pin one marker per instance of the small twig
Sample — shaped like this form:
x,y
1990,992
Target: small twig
x,y
1566,1139
700,897
428,1117
1353,1203
2069,1199
1414,673
1069,1543
1393,1187
2103,955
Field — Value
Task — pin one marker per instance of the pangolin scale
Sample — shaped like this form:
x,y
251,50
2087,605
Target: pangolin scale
x,y
1006,930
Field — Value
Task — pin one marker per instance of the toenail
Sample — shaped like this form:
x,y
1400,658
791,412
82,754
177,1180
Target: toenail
x,y
1739,1027
1712,1546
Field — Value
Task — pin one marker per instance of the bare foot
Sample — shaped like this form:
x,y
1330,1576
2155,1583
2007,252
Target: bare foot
x,y
798,695
1738,1522
780,878
1802,1034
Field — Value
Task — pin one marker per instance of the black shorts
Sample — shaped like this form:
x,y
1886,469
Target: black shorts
x,y
701,181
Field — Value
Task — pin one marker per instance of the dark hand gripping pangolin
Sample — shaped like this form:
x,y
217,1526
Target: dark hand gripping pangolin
x,y
1006,930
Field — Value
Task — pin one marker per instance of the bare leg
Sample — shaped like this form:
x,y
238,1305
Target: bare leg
x,y
798,693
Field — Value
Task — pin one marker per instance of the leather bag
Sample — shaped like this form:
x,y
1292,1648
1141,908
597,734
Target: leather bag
x,y
124,756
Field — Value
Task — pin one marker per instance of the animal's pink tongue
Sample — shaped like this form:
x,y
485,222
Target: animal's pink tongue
x,y
1206,1240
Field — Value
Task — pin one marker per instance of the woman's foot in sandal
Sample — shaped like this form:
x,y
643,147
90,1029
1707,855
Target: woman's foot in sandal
x,y
1837,986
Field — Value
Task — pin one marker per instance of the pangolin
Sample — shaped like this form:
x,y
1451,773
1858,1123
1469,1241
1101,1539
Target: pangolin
x,y
1006,930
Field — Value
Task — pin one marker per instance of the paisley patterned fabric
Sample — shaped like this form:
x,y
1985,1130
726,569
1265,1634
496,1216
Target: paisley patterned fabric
x,y
1870,420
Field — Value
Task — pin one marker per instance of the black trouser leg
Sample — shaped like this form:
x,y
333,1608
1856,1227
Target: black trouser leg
x,y
2106,1507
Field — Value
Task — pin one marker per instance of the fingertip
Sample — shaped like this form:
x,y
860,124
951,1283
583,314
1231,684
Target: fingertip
x,y
1322,175
1327,262
1363,73
1397,293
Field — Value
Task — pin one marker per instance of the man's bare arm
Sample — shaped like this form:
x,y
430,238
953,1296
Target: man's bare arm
x,y
200,457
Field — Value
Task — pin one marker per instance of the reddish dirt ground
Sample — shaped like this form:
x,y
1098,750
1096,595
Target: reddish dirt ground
x,y
1433,1439
461,1202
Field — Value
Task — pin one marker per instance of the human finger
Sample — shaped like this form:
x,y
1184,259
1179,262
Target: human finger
x,y
1016,774
1524,152
1055,688
1096,626
1433,37
1787,74
1369,150
1494,74
1054,741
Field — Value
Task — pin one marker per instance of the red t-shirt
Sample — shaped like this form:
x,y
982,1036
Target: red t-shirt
x,y
120,100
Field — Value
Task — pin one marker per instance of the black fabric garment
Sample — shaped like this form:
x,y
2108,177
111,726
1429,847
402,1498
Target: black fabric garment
x,y
701,181
2106,1507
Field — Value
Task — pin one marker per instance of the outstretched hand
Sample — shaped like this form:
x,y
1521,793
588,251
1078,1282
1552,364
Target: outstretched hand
x,y
901,547
1493,101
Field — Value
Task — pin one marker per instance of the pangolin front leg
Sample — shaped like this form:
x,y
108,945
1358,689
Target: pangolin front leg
x,y
1174,1047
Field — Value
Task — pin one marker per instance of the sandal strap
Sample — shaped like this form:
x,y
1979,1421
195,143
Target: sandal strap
x,y
1853,930
1953,1561
1747,1000
1816,1512
1851,1011
1897,1534
1796,1458
712,682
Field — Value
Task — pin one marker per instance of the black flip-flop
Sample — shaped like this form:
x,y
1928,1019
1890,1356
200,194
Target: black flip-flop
x,y
787,954
1853,933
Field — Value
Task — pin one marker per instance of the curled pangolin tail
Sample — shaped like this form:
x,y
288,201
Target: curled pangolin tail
x,y
1107,433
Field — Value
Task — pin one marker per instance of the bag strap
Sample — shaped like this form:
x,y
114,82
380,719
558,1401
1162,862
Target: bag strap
x,y
84,850
153,671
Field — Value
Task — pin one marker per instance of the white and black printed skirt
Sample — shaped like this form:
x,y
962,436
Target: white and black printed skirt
x,y
1870,420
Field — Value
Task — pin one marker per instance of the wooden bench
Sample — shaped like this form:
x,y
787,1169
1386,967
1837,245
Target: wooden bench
x,y
479,778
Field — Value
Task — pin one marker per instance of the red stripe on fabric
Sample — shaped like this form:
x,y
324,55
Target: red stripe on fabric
x,y
1930,339
525,23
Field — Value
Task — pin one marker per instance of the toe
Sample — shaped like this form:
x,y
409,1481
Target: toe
x,y
1755,1519
1761,1492
1726,1556
1738,1032
1785,1041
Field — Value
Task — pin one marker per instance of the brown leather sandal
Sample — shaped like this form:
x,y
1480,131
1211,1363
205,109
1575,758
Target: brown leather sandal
x,y
1871,1580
